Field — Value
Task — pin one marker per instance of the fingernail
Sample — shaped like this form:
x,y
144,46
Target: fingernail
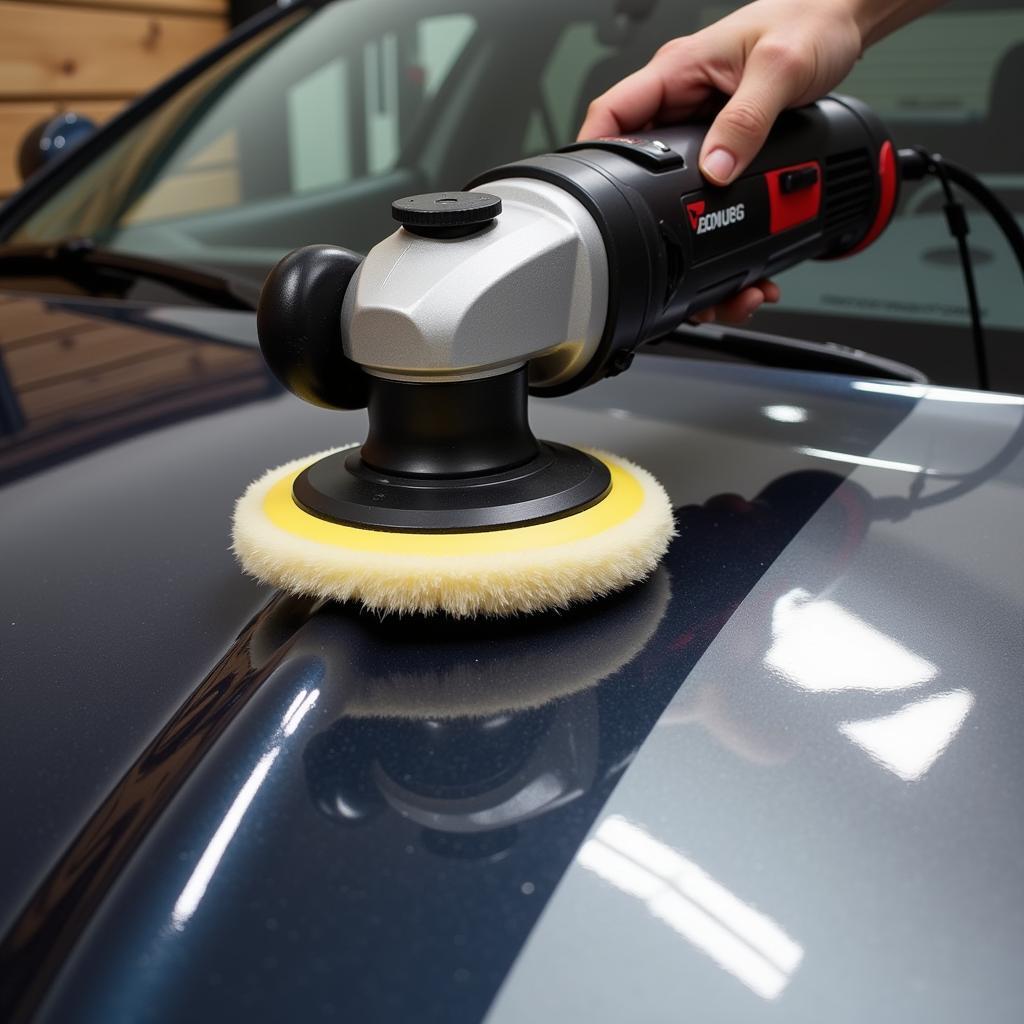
x,y
719,165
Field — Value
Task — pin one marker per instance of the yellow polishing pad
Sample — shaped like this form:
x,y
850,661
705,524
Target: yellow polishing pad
x,y
603,548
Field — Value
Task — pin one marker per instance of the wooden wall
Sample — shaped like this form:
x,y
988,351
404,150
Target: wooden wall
x,y
90,56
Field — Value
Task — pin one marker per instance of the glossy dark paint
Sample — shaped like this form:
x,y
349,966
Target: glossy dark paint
x,y
123,599
420,813
81,373
96,602
63,905
837,785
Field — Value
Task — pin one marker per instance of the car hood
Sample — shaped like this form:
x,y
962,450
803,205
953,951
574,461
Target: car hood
x,y
781,774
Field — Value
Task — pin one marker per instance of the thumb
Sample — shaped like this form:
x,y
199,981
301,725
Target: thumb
x,y
774,76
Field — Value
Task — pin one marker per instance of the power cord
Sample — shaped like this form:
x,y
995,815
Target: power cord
x,y
915,163
956,219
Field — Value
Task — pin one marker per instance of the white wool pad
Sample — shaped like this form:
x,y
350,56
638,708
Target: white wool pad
x,y
525,569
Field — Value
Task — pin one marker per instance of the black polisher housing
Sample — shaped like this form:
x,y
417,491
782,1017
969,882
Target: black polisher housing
x,y
454,456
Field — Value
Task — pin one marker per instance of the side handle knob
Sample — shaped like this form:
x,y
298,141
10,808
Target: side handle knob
x,y
299,325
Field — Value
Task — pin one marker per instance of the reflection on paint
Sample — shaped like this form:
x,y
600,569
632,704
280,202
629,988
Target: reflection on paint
x,y
820,646
195,888
740,939
785,413
937,394
295,715
862,460
910,741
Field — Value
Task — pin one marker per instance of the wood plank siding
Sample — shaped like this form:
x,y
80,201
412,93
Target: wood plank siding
x,y
90,56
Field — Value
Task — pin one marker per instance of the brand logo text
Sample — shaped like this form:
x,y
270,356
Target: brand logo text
x,y
702,222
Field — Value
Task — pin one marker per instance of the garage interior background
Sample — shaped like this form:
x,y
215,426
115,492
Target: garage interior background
x,y
953,82
93,56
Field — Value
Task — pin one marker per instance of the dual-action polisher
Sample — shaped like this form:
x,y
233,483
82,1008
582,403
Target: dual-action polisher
x,y
543,277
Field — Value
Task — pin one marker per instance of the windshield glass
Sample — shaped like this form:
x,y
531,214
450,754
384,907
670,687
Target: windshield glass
x,y
309,131
310,135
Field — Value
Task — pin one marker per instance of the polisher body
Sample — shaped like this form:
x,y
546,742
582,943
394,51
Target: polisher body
x,y
543,277
824,186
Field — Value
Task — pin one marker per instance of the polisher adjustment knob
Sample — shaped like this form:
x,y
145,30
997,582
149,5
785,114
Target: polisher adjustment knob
x,y
298,321
446,214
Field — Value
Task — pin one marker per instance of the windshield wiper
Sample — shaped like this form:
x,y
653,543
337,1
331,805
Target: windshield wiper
x,y
80,259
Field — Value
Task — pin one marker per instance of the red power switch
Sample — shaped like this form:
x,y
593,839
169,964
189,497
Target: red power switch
x,y
794,195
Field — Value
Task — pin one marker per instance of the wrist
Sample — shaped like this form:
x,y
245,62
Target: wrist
x,y
875,19
868,16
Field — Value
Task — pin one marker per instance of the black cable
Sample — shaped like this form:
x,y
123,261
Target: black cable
x,y
1011,229
996,208
915,164
956,219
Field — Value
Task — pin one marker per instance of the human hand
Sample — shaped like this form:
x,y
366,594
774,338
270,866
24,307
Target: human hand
x,y
767,56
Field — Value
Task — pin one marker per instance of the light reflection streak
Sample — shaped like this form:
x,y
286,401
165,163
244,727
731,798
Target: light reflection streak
x,y
195,888
822,647
739,938
937,394
297,713
294,706
862,460
785,413
910,741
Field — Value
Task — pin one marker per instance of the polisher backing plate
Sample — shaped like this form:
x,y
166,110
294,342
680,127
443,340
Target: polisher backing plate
x,y
579,557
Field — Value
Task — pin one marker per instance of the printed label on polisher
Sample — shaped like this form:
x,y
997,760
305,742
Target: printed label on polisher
x,y
721,221
701,223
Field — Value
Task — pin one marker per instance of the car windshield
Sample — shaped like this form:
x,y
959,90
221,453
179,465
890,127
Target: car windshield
x,y
306,133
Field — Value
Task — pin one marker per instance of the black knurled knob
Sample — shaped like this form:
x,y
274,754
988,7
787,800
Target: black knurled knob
x,y
446,214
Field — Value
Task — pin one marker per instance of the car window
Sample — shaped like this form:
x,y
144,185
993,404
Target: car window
x,y
401,72
377,87
282,143
555,117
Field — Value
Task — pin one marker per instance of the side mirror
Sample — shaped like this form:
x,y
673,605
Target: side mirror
x,y
49,139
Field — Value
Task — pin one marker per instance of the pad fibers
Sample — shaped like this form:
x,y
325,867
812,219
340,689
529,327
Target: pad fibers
x,y
548,567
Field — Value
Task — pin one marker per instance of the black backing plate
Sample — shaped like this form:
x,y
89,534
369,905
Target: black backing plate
x,y
557,482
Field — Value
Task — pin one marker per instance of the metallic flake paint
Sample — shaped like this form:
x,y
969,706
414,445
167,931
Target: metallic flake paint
x,y
321,885
372,832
